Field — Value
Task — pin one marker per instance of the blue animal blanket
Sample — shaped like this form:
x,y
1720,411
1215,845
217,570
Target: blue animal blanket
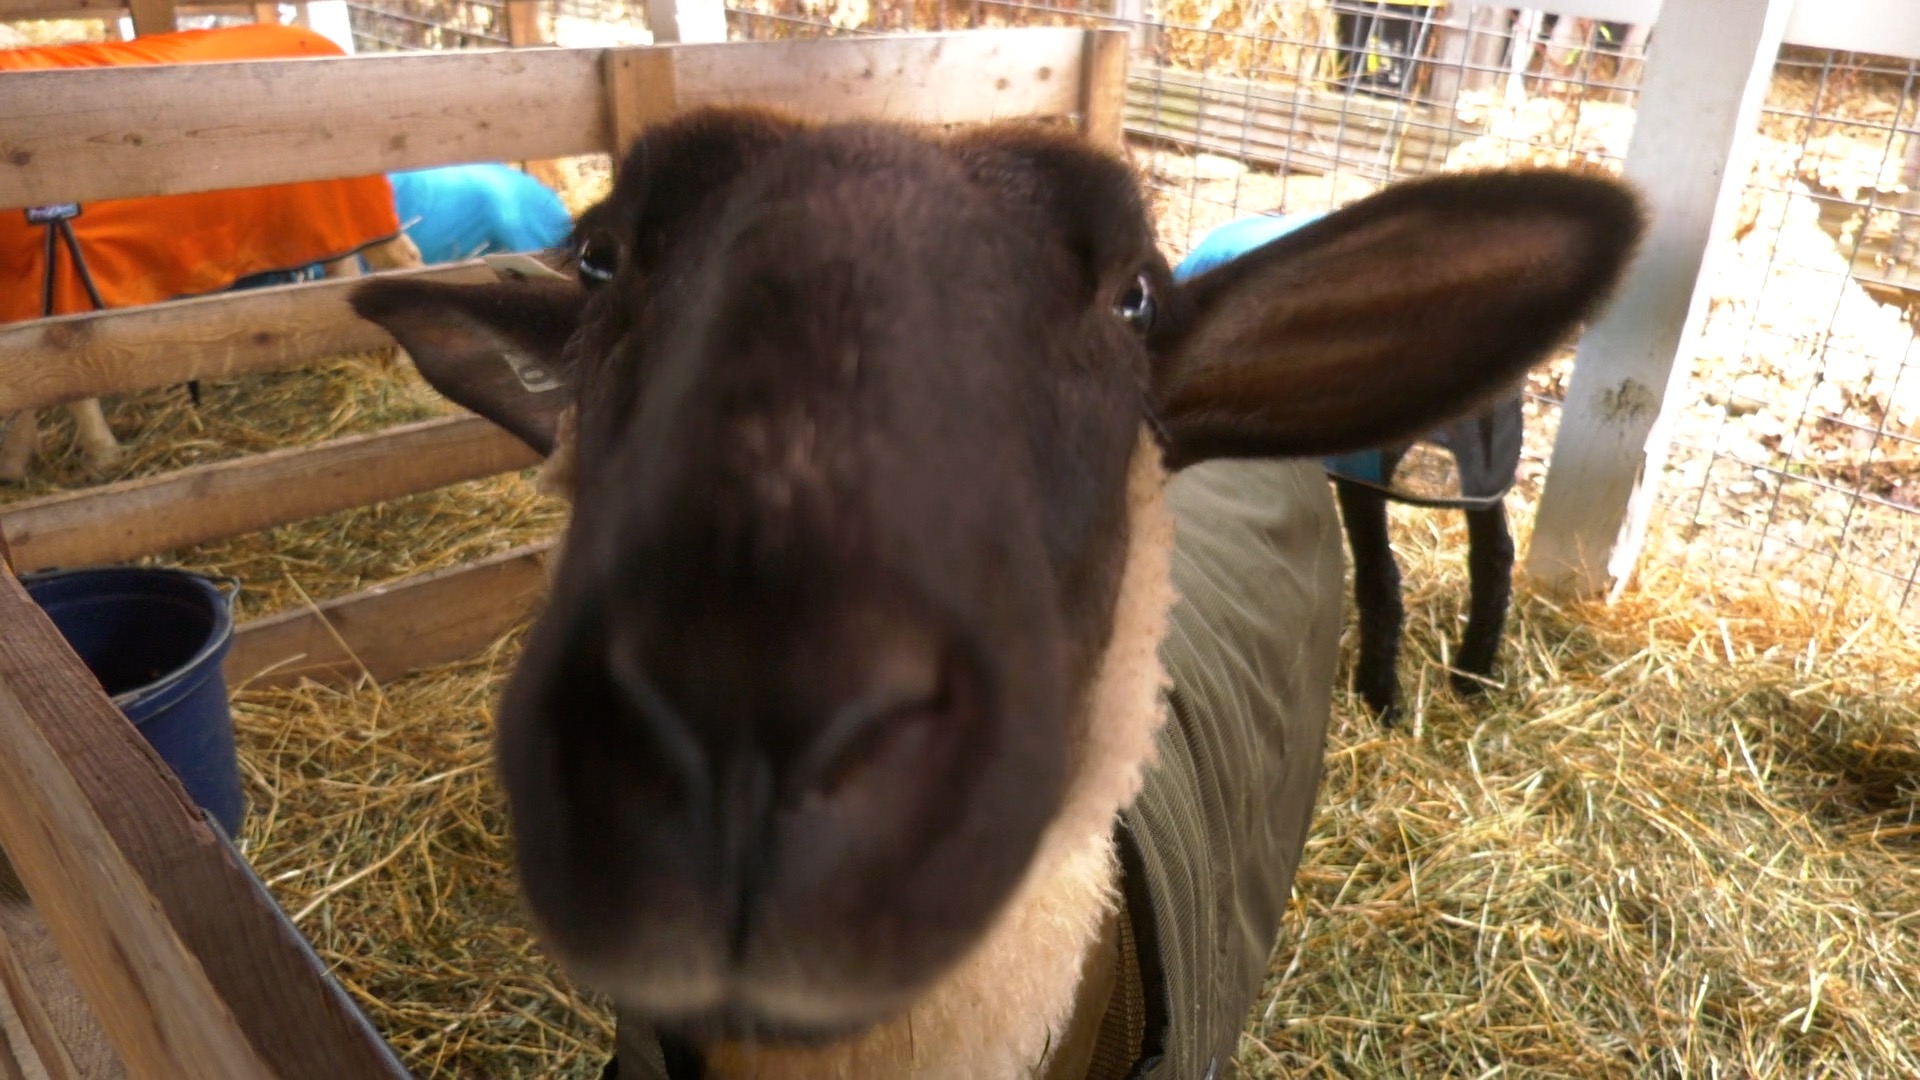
x,y
1467,465
463,211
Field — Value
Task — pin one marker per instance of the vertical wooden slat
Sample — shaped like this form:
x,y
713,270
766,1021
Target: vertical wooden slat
x,y
1103,87
523,23
642,90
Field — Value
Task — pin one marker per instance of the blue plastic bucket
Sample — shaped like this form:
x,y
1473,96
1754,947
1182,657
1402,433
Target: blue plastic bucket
x,y
155,638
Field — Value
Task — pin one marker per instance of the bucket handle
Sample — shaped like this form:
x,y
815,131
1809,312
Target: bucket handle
x,y
234,587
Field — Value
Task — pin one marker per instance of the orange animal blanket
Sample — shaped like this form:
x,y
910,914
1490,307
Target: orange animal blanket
x,y
140,251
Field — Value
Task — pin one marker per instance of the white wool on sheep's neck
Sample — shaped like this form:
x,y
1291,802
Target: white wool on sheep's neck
x,y
995,1015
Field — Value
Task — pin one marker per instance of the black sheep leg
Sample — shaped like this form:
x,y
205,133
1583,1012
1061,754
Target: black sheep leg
x,y
1376,593
1490,569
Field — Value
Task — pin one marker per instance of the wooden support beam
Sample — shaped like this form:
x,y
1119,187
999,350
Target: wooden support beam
x,y
117,522
26,10
49,361
1690,157
1103,87
266,14
101,133
189,965
392,629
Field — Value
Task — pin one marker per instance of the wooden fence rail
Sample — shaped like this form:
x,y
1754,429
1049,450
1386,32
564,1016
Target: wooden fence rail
x,y
104,133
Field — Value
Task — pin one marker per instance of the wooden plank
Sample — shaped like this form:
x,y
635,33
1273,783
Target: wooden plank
x,y
392,629
103,133
955,78
80,135
190,967
122,521
49,361
1103,87
266,14
1690,157
24,10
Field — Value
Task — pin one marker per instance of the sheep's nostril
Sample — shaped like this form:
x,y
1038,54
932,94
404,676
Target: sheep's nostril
x,y
851,738
904,680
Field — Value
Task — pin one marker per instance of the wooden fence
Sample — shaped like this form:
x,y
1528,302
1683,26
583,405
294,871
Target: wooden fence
x,y
185,963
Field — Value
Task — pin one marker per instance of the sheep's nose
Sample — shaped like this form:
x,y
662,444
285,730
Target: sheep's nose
x,y
844,705
821,760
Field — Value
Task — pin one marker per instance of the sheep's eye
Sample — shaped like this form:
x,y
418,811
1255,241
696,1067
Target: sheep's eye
x,y
1136,304
597,258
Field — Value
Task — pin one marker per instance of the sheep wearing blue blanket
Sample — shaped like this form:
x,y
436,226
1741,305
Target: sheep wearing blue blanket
x,y
1468,466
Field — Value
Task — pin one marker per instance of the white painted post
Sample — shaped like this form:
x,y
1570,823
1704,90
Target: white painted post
x,y
1707,72
687,21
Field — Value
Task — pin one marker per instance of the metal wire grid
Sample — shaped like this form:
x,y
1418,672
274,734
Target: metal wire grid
x,y
1797,458
408,25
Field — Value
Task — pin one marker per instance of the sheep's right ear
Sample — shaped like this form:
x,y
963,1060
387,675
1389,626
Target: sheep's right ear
x,y
497,349
1388,318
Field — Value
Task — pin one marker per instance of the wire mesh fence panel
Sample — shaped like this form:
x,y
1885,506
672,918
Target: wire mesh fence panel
x,y
406,25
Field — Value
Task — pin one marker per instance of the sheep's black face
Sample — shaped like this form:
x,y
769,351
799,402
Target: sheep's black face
x,y
855,413
855,418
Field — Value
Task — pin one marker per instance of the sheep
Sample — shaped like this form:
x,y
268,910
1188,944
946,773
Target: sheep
x,y
1485,450
142,251
464,211
841,745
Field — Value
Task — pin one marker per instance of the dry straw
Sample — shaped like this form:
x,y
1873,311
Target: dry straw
x,y
1680,836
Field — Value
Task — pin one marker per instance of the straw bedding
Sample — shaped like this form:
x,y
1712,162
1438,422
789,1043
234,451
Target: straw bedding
x,y
1682,836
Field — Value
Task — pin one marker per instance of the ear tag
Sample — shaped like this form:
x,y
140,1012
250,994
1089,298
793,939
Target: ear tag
x,y
534,377
514,266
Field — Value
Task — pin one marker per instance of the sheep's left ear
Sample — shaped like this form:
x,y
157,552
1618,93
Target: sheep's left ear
x,y
497,349
1379,322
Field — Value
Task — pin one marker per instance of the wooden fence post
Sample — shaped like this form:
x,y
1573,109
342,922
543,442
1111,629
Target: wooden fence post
x,y
1707,73
523,23
1103,87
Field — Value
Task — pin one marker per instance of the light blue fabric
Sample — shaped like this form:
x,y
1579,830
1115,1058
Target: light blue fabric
x,y
1236,238
461,211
